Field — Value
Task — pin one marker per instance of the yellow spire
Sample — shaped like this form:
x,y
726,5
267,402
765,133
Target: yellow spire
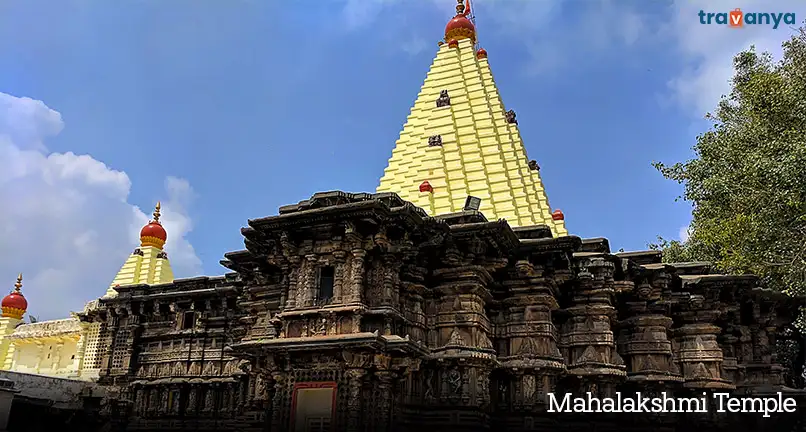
x,y
460,141
18,285
148,264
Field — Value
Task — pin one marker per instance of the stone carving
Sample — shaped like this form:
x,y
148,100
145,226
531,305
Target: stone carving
x,y
533,165
444,99
455,381
510,115
448,312
435,141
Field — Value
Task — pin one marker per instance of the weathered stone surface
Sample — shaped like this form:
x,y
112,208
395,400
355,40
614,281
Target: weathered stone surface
x,y
428,321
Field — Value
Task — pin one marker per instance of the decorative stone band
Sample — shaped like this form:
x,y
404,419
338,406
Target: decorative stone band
x,y
9,312
152,241
460,33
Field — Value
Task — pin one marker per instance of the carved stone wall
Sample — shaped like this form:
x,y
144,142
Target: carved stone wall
x,y
433,321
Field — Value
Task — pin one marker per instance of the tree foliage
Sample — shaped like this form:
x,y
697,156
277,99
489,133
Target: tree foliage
x,y
747,181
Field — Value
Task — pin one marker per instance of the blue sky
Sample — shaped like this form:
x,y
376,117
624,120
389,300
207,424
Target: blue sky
x,y
226,110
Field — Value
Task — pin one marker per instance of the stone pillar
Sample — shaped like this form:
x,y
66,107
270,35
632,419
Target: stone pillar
x,y
357,275
482,387
193,397
278,400
384,402
698,351
38,364
57,356
310,290
588,339
175,400
354,383
339,282
293,282
645,343
153,399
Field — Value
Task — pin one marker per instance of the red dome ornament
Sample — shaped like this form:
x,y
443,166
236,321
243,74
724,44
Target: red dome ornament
x,y
426,187
14,305
154,234
481,54
460,27
453,43
558,215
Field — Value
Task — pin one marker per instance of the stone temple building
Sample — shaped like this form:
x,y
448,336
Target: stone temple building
x,y
454,296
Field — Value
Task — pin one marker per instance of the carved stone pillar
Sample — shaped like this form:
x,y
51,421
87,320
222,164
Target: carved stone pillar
x,y
164,395
482,387
293,282
278,400
339,276
209,398
587,337
355,379
384,402
175,401
698,350
57,356
193,396
310,289
153,400
357,275
645,343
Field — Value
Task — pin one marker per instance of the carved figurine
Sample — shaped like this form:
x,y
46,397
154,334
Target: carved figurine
x,y
444,99
533,165
435,141
455,381
321,327
510,115
429,384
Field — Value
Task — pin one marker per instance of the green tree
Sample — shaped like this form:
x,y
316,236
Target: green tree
x,y
747,181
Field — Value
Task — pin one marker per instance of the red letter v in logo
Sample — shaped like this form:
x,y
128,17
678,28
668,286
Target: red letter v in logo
x,y
735,18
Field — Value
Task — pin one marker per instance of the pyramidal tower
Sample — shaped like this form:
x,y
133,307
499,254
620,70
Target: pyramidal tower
x,y
459,140
148,264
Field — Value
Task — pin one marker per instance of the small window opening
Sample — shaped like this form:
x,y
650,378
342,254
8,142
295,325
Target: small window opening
x,y
188,320
326,280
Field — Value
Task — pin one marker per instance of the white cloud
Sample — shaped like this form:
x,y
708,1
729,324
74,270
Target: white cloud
x,y
707,51
65,219
684,233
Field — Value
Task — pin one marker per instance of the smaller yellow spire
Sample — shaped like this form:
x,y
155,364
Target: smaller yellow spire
x,y
18,285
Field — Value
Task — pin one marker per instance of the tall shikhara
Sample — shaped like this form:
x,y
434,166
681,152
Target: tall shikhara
x,y
460,141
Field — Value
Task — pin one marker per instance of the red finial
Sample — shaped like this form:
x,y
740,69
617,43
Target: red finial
x,y
481,53
558,215
426,187
453,43
460,27
154,234
14,305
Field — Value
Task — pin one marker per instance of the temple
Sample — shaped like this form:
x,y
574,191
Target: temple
x,y
460,141
452,297
68,348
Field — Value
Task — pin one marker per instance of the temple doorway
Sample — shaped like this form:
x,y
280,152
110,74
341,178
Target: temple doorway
x,y
313,406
